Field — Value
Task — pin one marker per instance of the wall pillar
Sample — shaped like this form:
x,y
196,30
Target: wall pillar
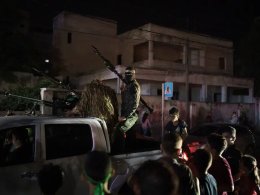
x,y
251,94
223,94
150,53
203,93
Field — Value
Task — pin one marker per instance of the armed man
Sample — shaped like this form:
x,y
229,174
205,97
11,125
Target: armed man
x,y
130,94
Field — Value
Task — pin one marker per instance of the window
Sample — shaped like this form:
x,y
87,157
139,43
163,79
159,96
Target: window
x,y
168,52
194,57
17,152
240,91
119,59
63,140
141,52
222,63
69,38
197,57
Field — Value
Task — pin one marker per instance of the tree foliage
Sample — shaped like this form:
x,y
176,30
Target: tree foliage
x,y
14,103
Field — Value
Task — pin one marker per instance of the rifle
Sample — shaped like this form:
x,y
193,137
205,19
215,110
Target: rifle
x,y
47,103
71,99
111,67
35,101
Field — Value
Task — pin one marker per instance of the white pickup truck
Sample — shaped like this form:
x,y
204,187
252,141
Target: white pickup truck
x,y
64,142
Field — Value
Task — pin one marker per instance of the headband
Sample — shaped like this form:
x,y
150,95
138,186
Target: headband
x,y
130,72
99,189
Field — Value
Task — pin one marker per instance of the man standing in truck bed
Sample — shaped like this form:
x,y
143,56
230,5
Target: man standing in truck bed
x,y
130,101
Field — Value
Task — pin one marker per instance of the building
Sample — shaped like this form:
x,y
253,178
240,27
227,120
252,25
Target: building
x,y
200,66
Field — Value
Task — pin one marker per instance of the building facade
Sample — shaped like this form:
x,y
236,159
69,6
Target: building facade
x,y
199,66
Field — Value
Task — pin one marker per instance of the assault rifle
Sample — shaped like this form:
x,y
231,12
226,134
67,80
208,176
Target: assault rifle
x,y
111,67
35,101
70,100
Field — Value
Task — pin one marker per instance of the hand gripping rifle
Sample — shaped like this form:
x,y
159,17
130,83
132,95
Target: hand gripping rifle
x,y
111,67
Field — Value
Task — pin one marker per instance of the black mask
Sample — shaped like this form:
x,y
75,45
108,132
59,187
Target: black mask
x,y
129,78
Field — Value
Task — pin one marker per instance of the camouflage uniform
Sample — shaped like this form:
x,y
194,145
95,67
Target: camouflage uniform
x,y
130,102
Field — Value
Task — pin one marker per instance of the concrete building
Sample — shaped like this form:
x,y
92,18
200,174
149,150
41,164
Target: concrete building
x,y
200,66
73,36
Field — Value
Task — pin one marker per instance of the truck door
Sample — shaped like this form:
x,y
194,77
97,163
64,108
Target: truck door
x,y
17,161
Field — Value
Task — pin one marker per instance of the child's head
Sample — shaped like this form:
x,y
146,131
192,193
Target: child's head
x,y
171,144
216,144
202,161
98,168
174,113
248,166
50,179
155,177
230,134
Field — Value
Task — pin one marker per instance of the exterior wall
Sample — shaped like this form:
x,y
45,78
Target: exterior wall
x,y
78,56
195,59
212,64
199,112
166,49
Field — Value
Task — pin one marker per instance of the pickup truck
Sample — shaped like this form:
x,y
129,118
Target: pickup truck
x,y
64,142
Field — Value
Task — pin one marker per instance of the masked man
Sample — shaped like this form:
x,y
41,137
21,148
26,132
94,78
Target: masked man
x,y
130,102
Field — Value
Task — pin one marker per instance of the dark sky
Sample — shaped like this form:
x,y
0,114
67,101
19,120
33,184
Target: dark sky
x,y
223,18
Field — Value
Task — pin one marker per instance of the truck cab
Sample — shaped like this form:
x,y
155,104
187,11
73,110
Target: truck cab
x,y
63,142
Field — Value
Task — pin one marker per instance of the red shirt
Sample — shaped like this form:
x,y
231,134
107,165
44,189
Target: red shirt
x,y
220,169
246,186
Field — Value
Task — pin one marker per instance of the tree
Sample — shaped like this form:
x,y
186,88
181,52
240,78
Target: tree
x,y
22,104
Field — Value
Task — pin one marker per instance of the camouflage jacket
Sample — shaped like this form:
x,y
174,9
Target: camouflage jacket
x,y
130,99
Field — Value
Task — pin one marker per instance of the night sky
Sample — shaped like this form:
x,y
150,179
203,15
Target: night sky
x,y
222,18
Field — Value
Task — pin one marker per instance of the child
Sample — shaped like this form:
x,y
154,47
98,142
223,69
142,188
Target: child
x,y
249,178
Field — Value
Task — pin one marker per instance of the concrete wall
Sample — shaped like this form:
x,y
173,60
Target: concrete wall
x,y
162,41
199,112
77,56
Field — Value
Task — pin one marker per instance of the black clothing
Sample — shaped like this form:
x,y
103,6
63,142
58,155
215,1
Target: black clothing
x,y
187,184
19,155
171,128
130,102
233,156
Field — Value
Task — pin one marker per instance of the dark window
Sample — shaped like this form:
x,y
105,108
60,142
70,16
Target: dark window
x,y
240,91
217,97
141,52
168,52
69,38
22,154
63,140
159,91
222,63
175,95
119,59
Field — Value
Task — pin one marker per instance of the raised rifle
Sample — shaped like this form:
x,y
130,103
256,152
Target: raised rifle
x,y
111,67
